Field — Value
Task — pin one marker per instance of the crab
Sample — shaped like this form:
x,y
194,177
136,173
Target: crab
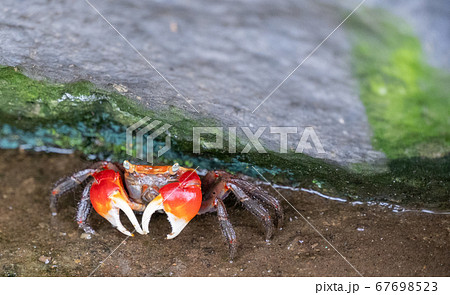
x,y
178,191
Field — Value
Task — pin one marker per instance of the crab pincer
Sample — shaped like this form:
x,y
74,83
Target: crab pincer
x,y
180,200
108,196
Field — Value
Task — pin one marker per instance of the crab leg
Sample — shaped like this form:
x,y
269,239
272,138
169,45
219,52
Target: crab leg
x,y
66,184
84,210
226,227
256,209
264,197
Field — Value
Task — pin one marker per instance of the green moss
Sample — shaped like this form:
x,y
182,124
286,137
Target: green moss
x,y
406,100
77,115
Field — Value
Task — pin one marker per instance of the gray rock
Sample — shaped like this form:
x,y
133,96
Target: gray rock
x,y
225,57
430,20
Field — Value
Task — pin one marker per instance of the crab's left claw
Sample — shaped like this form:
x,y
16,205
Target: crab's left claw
x,y
180,200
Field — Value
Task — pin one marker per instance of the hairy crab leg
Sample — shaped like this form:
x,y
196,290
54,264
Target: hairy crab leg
x,y
84,210
66,184
265,197
226,227
256,209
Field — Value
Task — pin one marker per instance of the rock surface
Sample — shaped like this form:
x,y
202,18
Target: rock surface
x,y
430,21
224,57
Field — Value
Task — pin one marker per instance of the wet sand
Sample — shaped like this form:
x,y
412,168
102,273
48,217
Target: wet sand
x,y
376,241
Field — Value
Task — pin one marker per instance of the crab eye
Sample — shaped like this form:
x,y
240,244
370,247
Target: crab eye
x,y
126,165
174,169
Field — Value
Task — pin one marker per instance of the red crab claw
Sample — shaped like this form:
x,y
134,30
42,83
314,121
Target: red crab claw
x,y
180,200
108,197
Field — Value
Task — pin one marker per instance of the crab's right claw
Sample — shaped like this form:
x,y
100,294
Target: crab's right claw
x,y
180,200
108,197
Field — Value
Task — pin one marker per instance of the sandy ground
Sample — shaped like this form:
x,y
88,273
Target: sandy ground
x,y
376,241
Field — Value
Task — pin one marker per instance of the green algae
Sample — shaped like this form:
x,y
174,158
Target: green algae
x,y
77,116
407,101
